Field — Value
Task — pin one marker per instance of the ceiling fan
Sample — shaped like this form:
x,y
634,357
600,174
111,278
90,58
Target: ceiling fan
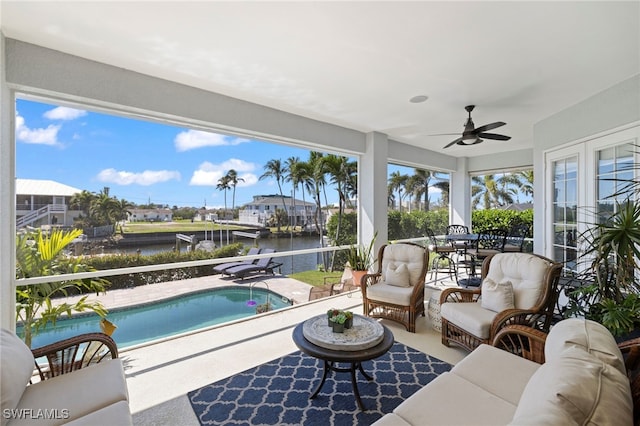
x,y
472,135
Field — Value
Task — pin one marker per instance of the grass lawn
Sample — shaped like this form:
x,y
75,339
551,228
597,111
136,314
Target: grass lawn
x,y
315,278
177,226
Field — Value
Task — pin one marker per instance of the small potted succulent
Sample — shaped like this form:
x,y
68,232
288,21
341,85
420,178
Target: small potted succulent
x,y
349,322
330,314
338,322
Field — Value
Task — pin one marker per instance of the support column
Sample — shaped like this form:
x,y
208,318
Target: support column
x,y
460,194
372,190
7,199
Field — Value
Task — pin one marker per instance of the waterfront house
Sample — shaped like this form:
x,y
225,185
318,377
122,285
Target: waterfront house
x,y
44,202
149,215
263,207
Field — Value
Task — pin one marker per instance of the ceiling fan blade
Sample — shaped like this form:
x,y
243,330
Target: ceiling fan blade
x,y
489,126
494,136
453,143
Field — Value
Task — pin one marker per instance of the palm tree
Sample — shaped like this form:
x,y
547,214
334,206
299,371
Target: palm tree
x,y
274,169
396,183
414,186
294,175
233,178
443,186
339,169
223,185
121,209
488,192
104,209
82,201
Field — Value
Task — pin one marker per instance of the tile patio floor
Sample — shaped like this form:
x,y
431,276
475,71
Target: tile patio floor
x,y
160,375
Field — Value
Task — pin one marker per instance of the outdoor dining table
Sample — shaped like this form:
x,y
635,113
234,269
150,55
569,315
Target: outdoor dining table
x,y
462,242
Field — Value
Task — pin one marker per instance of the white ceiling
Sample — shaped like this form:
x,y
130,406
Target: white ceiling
x,y
357,64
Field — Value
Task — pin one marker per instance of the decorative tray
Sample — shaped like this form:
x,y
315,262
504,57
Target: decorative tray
x,y
365,333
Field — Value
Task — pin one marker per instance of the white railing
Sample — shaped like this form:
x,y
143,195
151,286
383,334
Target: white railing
x,y
34,215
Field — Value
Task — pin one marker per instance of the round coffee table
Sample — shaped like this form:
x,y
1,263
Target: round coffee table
x,y
333,355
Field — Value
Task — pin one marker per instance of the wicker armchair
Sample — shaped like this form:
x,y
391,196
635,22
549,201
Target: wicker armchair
x,y
391,293
468,320
74,353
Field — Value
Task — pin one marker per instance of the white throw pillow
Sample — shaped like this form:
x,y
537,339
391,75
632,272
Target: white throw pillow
x,y
497,296
398,275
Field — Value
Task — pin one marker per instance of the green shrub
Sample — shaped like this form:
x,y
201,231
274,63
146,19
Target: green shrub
x,y
483,220
117,261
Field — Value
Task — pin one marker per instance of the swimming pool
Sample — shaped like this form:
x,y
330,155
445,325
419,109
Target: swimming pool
x,y
157,320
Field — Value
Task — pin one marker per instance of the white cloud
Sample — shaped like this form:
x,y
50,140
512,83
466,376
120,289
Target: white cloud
x,y
64,113
146,178
208,173
193,139
48,136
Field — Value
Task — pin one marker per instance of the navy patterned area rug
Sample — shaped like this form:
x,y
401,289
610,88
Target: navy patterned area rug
x,y
277,393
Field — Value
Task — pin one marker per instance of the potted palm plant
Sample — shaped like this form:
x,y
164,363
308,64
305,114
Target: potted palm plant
x,y
359,259
610,289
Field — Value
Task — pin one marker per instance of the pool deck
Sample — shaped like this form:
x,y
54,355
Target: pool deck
x,y
293,289
160,375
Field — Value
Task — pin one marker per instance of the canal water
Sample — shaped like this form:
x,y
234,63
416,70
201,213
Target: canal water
x,y
290,264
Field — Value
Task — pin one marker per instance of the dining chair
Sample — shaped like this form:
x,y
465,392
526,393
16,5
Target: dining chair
x,y
443,252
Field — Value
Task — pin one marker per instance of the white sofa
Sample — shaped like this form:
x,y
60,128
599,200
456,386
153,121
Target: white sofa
x,y
582,382
95,394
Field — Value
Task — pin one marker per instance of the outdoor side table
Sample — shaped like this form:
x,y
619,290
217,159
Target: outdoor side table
x,y
352,348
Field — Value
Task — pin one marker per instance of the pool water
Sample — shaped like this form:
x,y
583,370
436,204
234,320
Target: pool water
x,y
157,320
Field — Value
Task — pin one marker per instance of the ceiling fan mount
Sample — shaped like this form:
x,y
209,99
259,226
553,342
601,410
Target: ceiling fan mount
x,y
472,135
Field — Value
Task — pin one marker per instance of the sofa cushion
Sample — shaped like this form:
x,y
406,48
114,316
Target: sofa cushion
x,y
80,392
588,335
525,271
497,297
582,386
391,419
470,316
17,368
398,275
114,414
409,254
451,400
384,292
486,367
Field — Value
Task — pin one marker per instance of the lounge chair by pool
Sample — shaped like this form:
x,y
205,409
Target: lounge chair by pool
x,y
219,269
263,265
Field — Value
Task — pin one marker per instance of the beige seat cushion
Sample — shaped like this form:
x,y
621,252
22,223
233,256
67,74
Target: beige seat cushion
x,y
579,386
384,292
17,368
488,367
525,272
451,400
588,335
80,392
471,317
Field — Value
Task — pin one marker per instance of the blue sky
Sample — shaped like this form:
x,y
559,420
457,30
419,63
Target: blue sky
x,y
143,161
139,160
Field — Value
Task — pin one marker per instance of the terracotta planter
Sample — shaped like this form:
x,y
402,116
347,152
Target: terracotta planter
x,y
357,277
